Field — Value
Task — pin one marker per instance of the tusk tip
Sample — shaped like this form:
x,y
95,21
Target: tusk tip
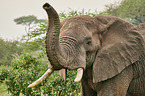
x,y
30,86
77,80
79,75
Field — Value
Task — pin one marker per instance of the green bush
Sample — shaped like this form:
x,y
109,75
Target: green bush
x,y
4,73
55,86
26,69
29,67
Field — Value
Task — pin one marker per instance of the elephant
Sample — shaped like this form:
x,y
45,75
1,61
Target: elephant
x,y
141,28
107,51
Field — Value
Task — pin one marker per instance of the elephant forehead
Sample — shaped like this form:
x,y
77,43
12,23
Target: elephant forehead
x,y
82,18
75,30
78,21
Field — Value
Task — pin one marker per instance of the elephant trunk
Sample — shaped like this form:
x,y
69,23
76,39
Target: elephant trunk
x,y
52,44
53,50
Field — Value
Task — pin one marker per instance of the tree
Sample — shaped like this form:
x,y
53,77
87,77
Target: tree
x,y
8,49
34,28
133,10
29,22
77,13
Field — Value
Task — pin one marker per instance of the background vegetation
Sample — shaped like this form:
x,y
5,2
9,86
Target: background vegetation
x,y
23,61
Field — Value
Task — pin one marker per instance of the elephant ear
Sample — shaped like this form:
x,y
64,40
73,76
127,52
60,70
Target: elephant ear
x,y
121,47
141,29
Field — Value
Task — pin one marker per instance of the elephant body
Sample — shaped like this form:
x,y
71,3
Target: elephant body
x,y
131,80
108,53
137,85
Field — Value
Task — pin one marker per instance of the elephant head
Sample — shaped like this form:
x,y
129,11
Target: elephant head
x,y
107,44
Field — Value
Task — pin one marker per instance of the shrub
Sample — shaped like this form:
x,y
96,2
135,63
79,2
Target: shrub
x,y
72,13
55,86
29,67
26,69
4,73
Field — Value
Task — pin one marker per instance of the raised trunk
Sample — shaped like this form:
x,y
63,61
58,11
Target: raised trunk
x,y
53,49
52,38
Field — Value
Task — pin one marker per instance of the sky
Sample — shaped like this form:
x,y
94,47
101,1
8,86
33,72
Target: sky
x,y
12,9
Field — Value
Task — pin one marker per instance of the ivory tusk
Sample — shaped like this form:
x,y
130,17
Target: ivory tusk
x,y
63,73
42,78
79,75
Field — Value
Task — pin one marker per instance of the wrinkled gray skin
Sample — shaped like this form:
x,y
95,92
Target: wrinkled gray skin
x,y
109,49
141,28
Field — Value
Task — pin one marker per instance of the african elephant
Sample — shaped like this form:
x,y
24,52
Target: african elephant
x,y
141,28
108,53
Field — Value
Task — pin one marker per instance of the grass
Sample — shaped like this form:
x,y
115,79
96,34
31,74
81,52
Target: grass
x,y
3,90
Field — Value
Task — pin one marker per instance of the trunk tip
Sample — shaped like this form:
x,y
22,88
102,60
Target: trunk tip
x,y
46,6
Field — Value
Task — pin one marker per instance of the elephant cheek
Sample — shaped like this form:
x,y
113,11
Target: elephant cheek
x,y
82,59
77,61
90,58
82,62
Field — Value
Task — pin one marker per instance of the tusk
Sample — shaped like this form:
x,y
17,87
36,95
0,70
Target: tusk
x,y
63,73
79,75
42,78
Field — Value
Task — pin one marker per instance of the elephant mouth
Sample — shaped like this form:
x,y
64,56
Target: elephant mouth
x,y
50,71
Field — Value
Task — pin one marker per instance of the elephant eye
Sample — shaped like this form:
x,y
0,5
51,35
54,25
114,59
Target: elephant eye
x,y
89,42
